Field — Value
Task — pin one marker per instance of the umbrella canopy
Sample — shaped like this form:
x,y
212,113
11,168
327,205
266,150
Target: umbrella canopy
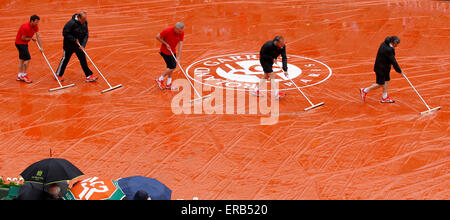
x,y
155,189
52,170
94,188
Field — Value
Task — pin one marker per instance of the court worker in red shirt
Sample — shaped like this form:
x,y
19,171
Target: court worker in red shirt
x,y
170,38
24,35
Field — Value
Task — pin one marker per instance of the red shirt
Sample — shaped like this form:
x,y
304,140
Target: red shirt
x,y
170,37
27,31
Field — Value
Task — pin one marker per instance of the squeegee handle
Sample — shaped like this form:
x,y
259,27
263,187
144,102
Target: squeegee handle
x,y
181,68
43,54
82,48
292,81
416,91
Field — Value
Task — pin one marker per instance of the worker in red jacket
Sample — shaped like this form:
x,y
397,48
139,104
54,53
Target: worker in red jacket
x,y
170,38
24,35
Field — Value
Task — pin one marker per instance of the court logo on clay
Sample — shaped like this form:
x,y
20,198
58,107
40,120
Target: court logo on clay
x,y
243,72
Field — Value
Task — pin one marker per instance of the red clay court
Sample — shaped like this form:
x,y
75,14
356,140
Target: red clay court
x,y
345,149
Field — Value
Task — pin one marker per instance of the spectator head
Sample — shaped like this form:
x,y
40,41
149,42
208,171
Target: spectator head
x,y
141,195
54,190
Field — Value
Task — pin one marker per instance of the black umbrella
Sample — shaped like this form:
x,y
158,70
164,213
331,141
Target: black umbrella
x,y
52,170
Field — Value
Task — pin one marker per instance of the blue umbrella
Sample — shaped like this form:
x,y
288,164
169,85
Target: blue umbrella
x,y
155,189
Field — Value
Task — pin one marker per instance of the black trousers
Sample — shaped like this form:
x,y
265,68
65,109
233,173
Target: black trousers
x,y
267,65
66,58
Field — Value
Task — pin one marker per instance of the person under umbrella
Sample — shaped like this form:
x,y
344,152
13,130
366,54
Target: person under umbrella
x,y
37,191
154,188
47,179
31,191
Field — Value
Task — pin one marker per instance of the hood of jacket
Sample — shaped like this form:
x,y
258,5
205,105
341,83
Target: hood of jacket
x,y
387,40
75,18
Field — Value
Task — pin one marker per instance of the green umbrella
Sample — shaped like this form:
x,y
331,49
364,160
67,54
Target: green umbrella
x,y
94,188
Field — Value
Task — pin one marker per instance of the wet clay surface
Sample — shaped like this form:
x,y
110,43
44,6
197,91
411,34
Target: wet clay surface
x,y
346,149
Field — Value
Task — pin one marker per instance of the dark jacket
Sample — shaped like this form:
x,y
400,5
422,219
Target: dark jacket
x,y
73,31
36,191
386,59
270,51
31,191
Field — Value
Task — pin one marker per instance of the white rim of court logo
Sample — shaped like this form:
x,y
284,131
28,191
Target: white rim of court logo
x,y
243,71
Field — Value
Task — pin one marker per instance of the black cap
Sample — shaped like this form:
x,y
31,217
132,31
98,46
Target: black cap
x,y
394,39
141,195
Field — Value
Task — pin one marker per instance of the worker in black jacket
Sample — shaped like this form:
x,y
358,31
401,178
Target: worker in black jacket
x,y
75,33
383,63
268,55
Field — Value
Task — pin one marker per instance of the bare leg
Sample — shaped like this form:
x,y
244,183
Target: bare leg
x,y
25,66
385,90
262,81
167,72
21,69
272,77
372,87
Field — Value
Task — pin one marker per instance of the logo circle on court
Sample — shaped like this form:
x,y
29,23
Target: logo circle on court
x,y
244,71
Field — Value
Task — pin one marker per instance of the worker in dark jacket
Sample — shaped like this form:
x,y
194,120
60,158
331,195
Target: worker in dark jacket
x,y
383,63
75,33
268,55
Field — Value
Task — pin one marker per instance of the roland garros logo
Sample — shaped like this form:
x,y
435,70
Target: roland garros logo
x,y
242,72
